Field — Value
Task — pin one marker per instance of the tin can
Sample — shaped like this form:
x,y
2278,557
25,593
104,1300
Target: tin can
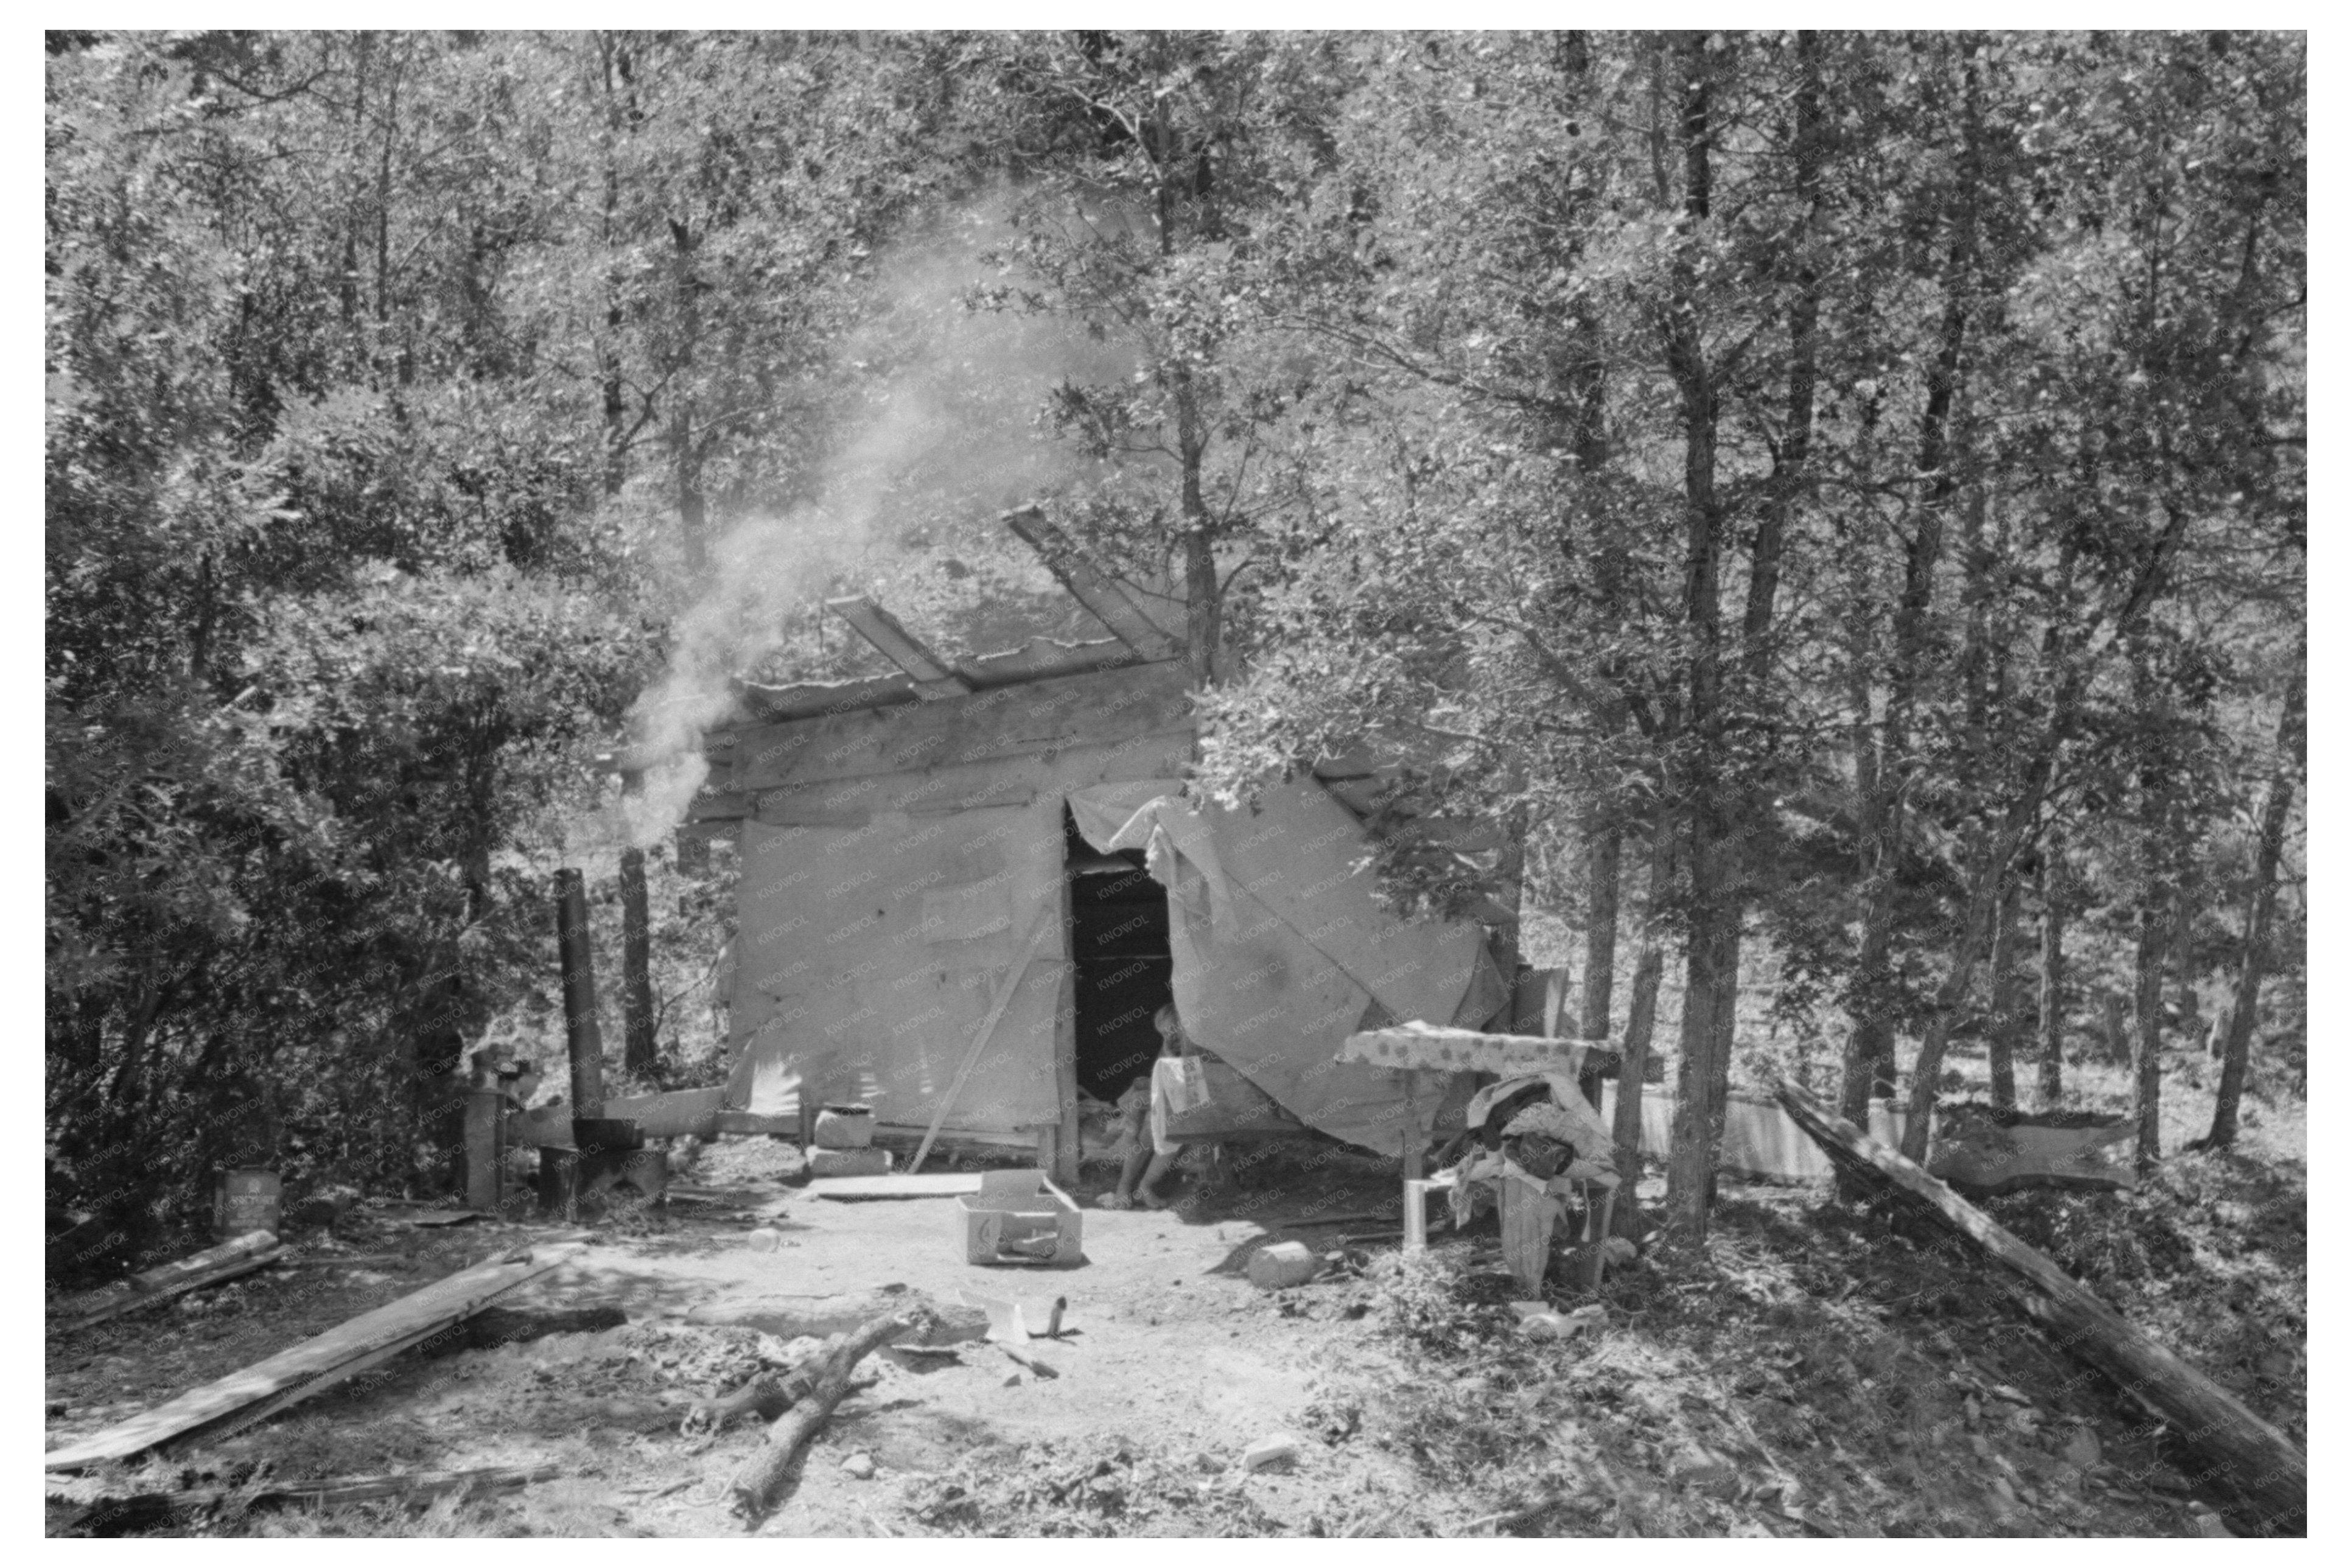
x,y
244,1201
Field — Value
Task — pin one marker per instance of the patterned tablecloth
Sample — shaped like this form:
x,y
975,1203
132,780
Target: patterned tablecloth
x,y
1425,1047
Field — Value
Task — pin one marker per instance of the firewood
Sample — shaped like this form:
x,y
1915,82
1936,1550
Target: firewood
x,y
756,1485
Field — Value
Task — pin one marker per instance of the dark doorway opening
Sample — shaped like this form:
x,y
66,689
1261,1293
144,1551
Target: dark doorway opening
x,y
1118,939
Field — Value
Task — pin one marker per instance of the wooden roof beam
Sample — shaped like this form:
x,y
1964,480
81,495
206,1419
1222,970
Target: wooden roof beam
x,y
934,677
1094,588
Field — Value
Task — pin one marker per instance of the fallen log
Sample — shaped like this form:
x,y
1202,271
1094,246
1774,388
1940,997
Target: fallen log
x,y
262,1390
213,1265
763,1474
118,1516
2242,1452
769,1394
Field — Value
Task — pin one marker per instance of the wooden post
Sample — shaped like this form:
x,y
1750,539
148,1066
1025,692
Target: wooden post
x,y
485,1108
637,967
578,995
1415,1142
1065,1150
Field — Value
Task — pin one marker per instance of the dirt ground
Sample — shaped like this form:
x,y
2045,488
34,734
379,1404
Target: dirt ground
x,y
1166,1346
1814,1371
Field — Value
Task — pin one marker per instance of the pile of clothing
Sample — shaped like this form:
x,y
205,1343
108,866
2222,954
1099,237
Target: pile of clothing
x,y
1538,1129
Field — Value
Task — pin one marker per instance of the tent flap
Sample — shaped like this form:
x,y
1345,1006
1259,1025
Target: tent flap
x,y
1281,944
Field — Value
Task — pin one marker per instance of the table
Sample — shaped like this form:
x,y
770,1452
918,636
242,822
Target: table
x,y
1415,1048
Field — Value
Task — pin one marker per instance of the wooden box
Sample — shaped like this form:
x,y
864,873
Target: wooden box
x,y
1019,1216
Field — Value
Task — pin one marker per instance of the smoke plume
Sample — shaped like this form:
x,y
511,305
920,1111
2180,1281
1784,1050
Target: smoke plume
x,y
939,420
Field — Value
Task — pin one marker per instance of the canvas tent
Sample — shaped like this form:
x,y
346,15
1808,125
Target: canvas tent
x,y
992,856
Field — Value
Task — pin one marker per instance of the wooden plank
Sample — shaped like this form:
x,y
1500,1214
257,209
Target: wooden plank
x,y
680,1113
213,1265
1043,716
720,805
817,699
932,676
1426,1048
1023,1136
751,1123
1092,587
254,1414
2247,1454
313,1363
996,783
864,1189
1041,658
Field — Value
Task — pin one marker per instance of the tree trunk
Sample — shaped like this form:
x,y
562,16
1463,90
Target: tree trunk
x,y
348,284
686,450
1640,1022
2118,1032
1203,591
1926,1072
615,406
1867,1068
637,963
1511,895
1601,855
2260,906
2190,1007
1711,955
1989,869
1935,469
2148,1061
1788,463
693,508
2000,1039
2051,884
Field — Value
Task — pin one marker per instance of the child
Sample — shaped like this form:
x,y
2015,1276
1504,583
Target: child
x,y
1149,1156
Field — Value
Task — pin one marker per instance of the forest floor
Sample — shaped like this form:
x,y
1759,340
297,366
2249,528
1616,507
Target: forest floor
x,y
1815,1369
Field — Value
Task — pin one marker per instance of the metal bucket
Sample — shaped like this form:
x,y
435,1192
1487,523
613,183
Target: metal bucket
x,y
244,1201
